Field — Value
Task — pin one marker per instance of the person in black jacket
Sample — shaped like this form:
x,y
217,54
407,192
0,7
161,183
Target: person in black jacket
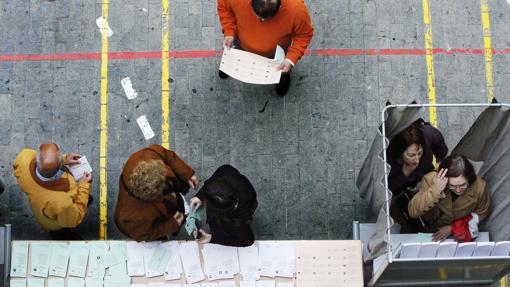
x,y
230,202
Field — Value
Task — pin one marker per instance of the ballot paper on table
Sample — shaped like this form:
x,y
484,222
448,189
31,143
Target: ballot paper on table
x,y
250,68
501,248
284,284
194,220
446,249
139,285
220,262
75,282
18,283
117,281
248,262
79,254
160,284
244,283
135,262
93,282
116,259
265,283
56,282
36,282
483,249
97,257
227,284
19,259
277,259
40,258
173,268
210,284
148,250
465,249
146,128
78,169
158,260
190,258
59,259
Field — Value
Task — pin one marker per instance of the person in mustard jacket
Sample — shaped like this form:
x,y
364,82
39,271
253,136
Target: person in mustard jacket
x,y
451,194
58,201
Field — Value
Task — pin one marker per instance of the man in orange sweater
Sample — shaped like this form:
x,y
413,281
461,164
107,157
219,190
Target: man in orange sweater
x,y
257,26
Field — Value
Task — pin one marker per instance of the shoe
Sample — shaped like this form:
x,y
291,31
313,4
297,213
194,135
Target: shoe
x,y
283,86
222,74
91,199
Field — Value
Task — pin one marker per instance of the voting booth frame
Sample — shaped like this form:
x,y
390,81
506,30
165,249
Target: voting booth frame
x,y
456,271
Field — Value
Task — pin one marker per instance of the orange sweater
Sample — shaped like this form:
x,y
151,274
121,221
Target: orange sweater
x,y
290,28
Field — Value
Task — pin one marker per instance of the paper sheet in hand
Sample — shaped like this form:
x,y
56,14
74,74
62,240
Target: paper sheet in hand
x,y
19,259
59,259
40,258
190,258
250,68
194,220
144,125
279,54
80,168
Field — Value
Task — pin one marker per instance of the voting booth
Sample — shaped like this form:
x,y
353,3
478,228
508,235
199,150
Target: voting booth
x,y
328,263
394,259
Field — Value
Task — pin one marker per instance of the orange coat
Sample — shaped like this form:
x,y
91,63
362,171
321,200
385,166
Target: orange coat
x,y
290,28
142,220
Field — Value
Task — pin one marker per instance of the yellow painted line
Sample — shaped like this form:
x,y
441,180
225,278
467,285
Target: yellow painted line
x,y
430,63
504,281
486,24
165,100
104,126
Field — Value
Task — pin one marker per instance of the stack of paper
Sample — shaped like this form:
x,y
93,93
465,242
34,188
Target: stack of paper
x,y
40,258
190,258
59,259
277,259
97,258
79,254
501,248
248,262
19,259
446,249
428,249
156,257
465,249
483,249
135,262
148,250
116,259
173,268
410,250
220,262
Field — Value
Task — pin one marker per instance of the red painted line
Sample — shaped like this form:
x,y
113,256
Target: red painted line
x,y
96,56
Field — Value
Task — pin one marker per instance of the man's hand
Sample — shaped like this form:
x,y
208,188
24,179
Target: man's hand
x,y
285,66
204,237
87,177
179,217
228,41
440,180
193,181
72,158
195,203
442,233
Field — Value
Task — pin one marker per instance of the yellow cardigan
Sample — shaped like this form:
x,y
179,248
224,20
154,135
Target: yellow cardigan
x,y
57,204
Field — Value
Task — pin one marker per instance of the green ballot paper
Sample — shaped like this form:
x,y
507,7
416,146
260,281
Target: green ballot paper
x,y
194,220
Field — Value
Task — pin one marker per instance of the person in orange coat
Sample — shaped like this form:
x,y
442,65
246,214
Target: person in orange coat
x,y
257,26
58,201
149,205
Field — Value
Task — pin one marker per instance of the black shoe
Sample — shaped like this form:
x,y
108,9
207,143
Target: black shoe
x,y
2,187
283,86
91,199
222,74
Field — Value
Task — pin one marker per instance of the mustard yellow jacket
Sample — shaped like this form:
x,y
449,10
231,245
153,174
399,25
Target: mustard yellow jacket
x,y
437,208
57,204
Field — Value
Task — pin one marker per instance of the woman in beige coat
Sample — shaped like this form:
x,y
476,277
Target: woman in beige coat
x,y
448,195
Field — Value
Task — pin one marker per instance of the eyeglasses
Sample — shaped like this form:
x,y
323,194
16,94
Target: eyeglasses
x,y
463,186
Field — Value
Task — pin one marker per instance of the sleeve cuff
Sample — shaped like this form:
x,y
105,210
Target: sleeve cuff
x,y
288,60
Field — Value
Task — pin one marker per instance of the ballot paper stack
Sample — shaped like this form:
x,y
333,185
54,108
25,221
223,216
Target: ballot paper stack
x,y
220,262
453,249
277,259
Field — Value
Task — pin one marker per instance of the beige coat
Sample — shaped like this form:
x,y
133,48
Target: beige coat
x,y
437,208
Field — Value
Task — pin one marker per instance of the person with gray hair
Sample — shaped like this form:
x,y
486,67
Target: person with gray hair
x,y
59,202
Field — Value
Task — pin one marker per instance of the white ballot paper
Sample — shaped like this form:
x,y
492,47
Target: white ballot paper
x,y
190,258
56,282
220,262
277,259
99,23
144,125
247,284
265,283
248,261
117,281
59,259
128,88
173,269
483,249
210,284
284,284
501,248
116,259
228,284
93,282
158,261
250,68
148,251
135,265
78,169
40,258
79,254
19,259
97,265
75,282
160,284
138,285
36,282
465,249
18,283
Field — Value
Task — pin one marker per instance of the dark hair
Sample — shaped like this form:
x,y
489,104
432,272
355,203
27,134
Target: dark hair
x,y
458,165
265,8
411,135
220,195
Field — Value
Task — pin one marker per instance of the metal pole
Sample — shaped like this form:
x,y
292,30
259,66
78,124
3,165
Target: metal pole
x,y
355,230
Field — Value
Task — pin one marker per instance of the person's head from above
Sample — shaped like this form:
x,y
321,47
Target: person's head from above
x,y
148,180
408,145
265,8
461,173
220,196
48,161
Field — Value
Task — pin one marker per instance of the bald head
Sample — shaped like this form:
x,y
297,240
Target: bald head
x,y
48,159
265,8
